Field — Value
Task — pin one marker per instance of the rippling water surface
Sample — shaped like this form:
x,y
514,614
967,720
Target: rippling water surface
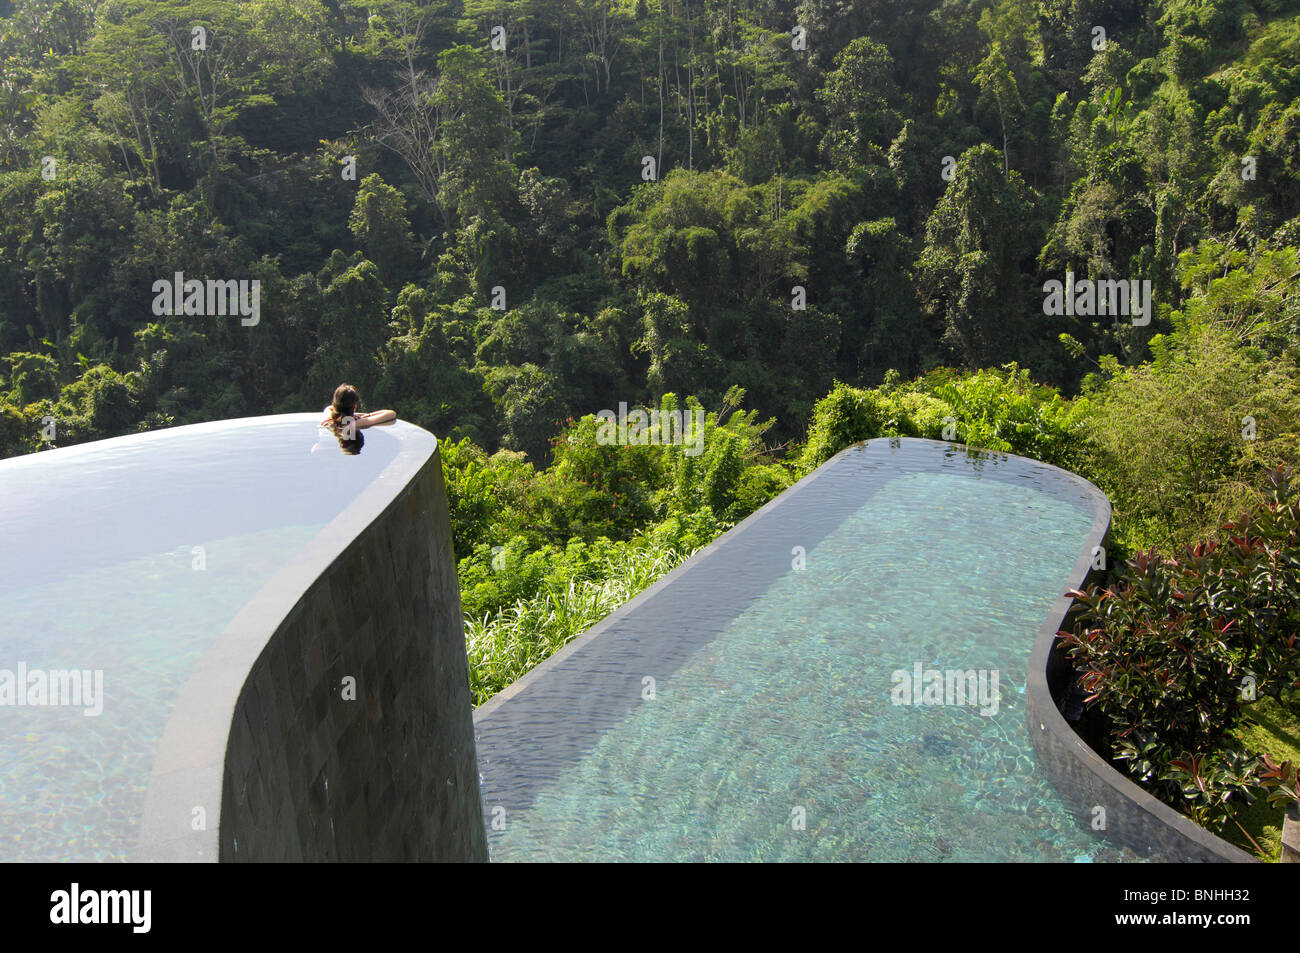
x,y
771,732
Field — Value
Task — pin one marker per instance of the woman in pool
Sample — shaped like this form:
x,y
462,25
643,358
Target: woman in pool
x,y
346,419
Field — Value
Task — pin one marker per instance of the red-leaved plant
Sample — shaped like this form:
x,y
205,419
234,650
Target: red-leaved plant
x,y
1176,649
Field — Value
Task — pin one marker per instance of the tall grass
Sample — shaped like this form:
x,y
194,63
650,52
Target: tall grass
x,y
502,646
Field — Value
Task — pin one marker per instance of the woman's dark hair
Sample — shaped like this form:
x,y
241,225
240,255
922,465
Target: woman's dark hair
x,y
347,401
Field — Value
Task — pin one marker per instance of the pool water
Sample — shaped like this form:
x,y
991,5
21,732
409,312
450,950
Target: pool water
x,y
770,730
130,556
146,645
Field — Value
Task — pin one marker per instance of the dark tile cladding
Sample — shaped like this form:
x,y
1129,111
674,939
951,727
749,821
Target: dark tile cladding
x,y
392,774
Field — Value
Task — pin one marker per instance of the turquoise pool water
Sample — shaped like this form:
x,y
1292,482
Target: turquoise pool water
x,y
777,729
129,557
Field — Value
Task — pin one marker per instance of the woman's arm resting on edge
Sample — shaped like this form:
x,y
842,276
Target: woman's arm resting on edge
x,y
376,417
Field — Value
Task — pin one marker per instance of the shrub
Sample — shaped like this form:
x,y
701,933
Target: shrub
x,y
1168,442
1000,410
844,416
1004,410
1175,649
503,645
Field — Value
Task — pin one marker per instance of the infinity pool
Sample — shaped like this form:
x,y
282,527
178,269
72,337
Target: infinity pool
x,y
128,557
758,703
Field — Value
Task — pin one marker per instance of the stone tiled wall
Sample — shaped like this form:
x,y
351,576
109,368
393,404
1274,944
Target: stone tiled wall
x,y
1133,817
315,771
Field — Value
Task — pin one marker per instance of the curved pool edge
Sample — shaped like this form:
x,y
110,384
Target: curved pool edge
x,y
262,721
1132,816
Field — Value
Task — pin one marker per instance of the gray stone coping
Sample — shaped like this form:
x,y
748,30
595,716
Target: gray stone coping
x,y
188,766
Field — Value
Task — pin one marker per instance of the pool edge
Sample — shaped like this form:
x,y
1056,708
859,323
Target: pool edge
x,y
254,720
1131,816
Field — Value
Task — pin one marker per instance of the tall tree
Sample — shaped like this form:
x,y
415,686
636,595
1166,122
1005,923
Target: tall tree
x,y
970,270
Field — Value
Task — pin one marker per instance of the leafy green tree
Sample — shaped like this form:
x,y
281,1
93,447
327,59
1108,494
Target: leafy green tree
x,y
530,403
476,143
998,88
31,377
860,97
100,403
1180,444
353,326
970,268
380,227
889,334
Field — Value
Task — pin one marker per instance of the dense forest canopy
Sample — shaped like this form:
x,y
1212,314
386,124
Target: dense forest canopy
x,y
496,216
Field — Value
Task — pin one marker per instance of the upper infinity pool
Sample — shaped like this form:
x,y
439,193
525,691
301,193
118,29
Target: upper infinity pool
x,y
124,560
747,709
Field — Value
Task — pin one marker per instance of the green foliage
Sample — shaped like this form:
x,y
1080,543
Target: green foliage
x,y
860,96
378,223
1005,410
1174,650
845,416
1282,781
968,269
101,402
990,410
504,646
596,487
472,493
1181,443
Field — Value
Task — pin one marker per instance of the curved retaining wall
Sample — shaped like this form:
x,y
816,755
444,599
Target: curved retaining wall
x,y
1132,817
332,719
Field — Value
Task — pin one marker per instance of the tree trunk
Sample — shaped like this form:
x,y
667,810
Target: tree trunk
x,y
660,160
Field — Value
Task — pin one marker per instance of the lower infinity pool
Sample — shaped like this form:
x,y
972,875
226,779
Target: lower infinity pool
x,y
758,704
